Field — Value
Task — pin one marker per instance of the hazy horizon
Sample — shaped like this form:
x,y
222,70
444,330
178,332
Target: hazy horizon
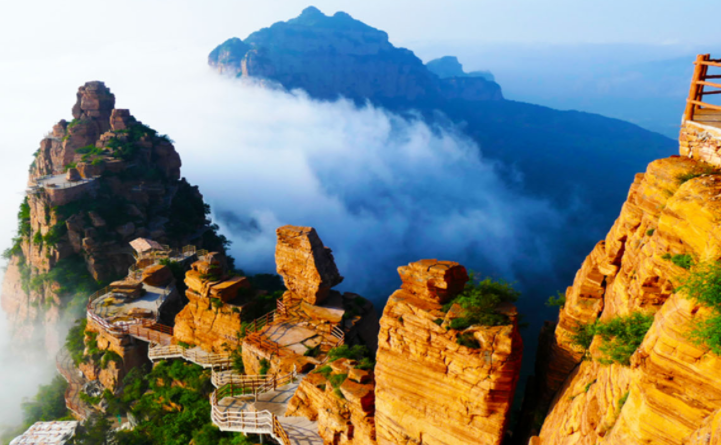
x,y
152,55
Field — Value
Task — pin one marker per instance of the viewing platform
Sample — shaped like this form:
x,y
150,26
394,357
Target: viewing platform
x,y
700,136
132,306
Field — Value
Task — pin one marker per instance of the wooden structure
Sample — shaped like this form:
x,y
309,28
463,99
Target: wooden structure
x,y
695,106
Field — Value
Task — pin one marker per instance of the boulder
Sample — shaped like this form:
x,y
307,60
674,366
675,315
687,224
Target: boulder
x,y
73,175
158,275
306,265
121,119
433,280
228,289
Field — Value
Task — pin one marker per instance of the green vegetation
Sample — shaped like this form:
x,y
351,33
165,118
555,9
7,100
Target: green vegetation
x,y
479,301
650,232
91,153
589,385
216,302
621,336
325,370
38,239
109,356
558,301
468,340
69,166
703,285
681,260
75,341
697,171
359,353
188,211
55,233
264,366
621,402
337,379
47,405
172,403
312,352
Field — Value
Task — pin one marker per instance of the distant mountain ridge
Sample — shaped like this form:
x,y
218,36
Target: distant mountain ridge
x,y
449,66
337,55
580,162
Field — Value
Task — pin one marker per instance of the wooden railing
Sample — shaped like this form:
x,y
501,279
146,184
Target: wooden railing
x,y
255,384
236,419
199,357
66,367
259,323
699,81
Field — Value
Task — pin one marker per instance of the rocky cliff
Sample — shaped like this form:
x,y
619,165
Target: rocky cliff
x,y
96,183
338,55
437,383
666,391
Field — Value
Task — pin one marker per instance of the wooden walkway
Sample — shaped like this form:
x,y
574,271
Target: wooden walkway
x,y
264,413
195,355
66,367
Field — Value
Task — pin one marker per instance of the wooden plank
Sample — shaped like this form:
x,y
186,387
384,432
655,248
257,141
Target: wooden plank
x,y
714,76
708,84
703,104
707,63
706,93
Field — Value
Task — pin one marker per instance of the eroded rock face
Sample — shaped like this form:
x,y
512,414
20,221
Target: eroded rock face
x,y
671,387
130,183
345,416
213,327
429,388
306,265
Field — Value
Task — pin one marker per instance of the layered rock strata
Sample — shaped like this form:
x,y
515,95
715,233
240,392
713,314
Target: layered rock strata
x,y
429,388
670,392
212,319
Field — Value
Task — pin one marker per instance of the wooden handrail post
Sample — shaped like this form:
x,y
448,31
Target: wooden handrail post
x,y
695,90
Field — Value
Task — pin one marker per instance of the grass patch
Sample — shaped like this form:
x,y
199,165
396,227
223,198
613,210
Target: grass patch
x,y
650,232
703,285
681,260
479,301
324,370
621,336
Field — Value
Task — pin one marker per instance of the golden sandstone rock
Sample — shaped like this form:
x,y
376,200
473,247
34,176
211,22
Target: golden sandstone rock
x,y
430,389
670,394
307,267
342,420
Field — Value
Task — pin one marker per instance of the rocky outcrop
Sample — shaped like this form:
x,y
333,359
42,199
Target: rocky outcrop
x,y
338,55
312,318
429,388
669,393
96,183
212,318
343,407
306,265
